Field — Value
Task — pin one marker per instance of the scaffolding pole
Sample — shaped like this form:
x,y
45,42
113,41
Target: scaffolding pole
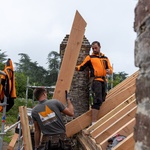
x,y
28,86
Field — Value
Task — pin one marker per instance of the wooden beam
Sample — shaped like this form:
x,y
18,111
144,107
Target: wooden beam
x,y
114,101
25,128
124,84
70,58
77,125
124,92
109,130
123,105
127,143
113,119
125,130
13,142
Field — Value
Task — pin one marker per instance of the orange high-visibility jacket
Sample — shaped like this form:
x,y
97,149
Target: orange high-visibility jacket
x,y
8,85
97,65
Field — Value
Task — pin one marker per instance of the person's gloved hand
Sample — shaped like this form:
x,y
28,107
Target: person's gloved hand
x,y
69,97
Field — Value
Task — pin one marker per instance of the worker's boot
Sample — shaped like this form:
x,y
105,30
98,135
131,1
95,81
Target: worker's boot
x,y
94,115
94,119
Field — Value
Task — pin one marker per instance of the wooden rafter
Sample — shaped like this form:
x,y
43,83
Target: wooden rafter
x,y
111,128
113,119
120,107
125,130
84,120
127,143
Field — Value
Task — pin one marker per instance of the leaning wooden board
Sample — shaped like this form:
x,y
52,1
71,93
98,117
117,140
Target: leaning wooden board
x,y
70,58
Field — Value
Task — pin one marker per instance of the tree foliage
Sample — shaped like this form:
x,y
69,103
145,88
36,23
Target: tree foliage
x,y
39,76
116,78
31,69
21,81
53,67
53,61
3,58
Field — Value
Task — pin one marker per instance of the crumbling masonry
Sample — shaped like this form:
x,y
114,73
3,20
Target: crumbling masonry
x,y
142,60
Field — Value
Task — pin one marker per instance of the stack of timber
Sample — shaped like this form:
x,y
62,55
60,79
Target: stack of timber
x,y
116,116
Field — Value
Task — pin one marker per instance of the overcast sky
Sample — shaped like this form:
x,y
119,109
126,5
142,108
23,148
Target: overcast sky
x,y
37,27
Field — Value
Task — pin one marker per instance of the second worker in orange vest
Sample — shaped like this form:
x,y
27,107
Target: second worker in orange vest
x,y
99,65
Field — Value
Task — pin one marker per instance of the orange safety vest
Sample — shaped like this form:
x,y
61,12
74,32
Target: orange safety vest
x,y
97,65
7,85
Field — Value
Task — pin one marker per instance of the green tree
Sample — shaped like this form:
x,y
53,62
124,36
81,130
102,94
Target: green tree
x,y
26,68
21,81
3,58
53,67
53,61
24,63
117,78
31,69
37,74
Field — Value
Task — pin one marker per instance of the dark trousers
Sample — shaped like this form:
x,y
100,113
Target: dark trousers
x,y
98,93
55,142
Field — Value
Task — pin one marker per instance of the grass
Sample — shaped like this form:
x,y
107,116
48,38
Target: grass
x,y
8,136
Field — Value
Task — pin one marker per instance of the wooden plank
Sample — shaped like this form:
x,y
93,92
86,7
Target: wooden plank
x,y
125,130
114,101
106,117
124,84
13,142
127,143
25,128
77,125
70,58
109,130
113,119
120,89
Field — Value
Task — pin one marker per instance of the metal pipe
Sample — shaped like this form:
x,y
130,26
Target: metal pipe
x,y
2,72
12,126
